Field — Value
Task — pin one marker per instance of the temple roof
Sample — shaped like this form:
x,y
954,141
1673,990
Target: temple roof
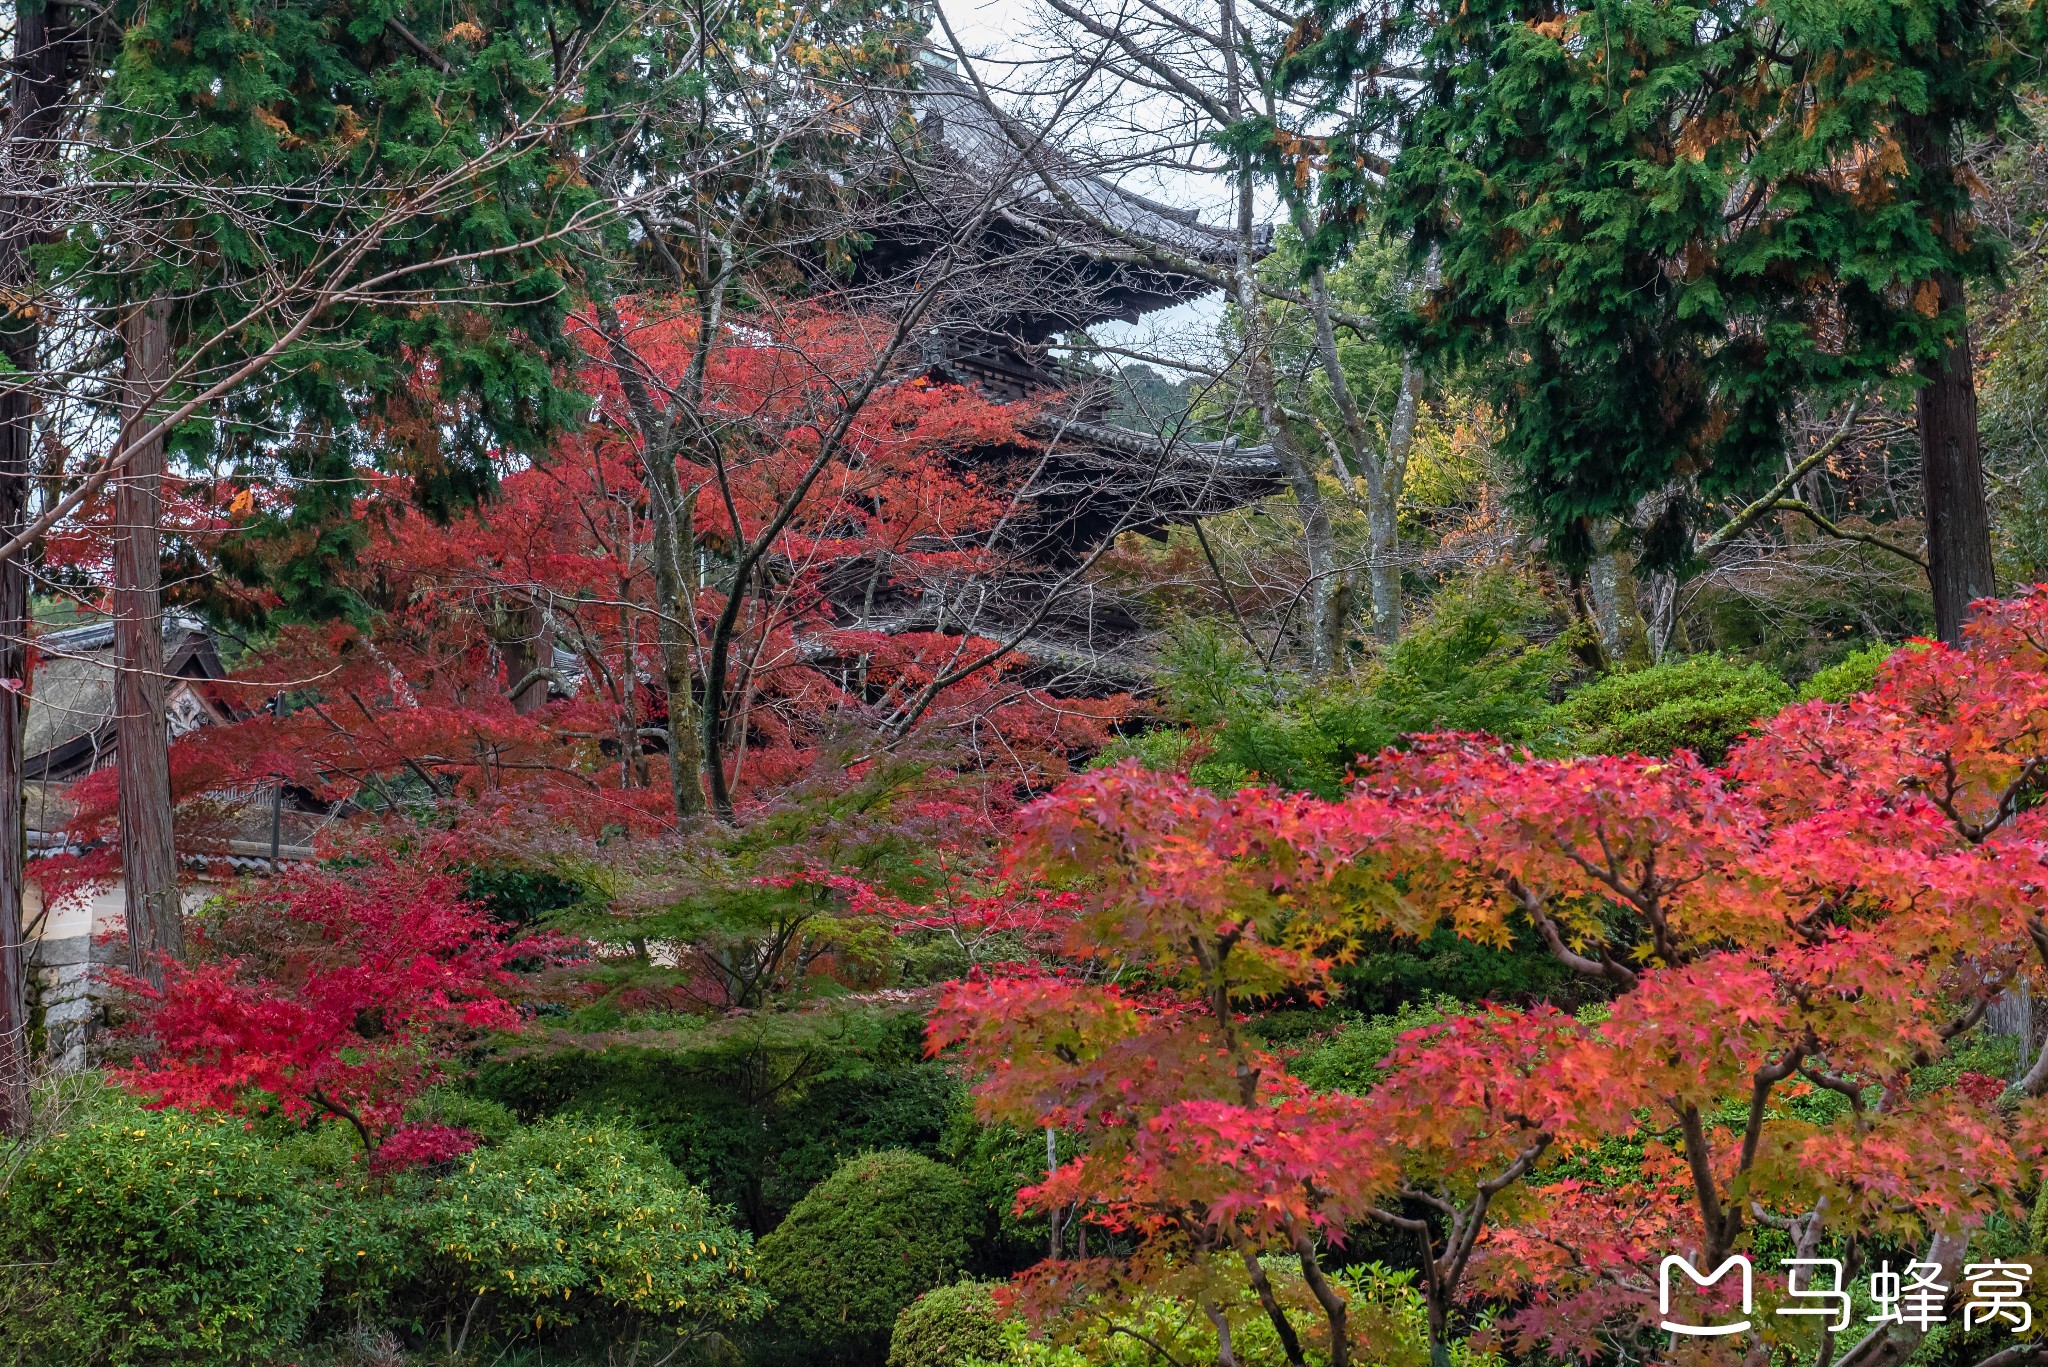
x,y
71,702
1076,252
950,108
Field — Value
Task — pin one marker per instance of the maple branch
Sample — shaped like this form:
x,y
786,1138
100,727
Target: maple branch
x,y
1977,832
1604,967
1761,1083
362,1130
1225,1355
1836,1083
1397,1221
1889,1345
1154,1344
1466,1237
1700,1160
1290,1342
1326,1295
2014,1356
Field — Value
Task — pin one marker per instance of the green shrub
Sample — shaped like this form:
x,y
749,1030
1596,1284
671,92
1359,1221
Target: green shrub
x,y
158,1237
1349,1061
757,1111
1484,657
1703,703
490,1121
949,1326
862,1245
1847,677
567,1225
1474,663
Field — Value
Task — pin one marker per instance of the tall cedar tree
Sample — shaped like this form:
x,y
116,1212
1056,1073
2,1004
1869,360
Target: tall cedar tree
x,y
49,57
1659,225
305,109
291,118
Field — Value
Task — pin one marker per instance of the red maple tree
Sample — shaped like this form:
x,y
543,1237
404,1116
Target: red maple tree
x,y
505,668
1821,917
337,991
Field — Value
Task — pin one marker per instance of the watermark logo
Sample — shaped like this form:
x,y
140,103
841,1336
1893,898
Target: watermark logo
x,y
1737,1261
1833,1300
1916,1296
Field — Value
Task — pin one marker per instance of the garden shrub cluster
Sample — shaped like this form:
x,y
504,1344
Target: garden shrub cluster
x,y
950,1326
136,1236
154,1236
1702,703
862,1245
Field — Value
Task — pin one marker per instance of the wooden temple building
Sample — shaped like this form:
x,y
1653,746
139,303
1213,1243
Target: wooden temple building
x,y
1056,259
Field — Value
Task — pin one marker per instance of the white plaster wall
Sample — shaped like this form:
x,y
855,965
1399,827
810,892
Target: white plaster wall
x,y
62,957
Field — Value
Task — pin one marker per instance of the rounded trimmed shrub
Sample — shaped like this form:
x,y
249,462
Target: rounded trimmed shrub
x,y
1844,679
574,1226
863,1244
157,1237
1704,704
949,1326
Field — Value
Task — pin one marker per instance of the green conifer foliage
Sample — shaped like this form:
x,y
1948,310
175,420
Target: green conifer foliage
x,y
1656,223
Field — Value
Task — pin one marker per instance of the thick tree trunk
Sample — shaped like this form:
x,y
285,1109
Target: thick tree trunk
x,y
149,865
1951,464
47,57
529,648
17,430
1603,576
1952,475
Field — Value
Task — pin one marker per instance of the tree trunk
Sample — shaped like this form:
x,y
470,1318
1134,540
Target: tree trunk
x,y
17,433
1951,464
1326,590
529,648
1384,517
1952,475
1604,577
673,523
47,57
675,547
149,864
1383,472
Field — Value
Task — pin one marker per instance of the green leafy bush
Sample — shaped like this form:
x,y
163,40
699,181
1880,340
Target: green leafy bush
x,y
1388,1318
568,1225
1847,677
154,1236
1703,703
862,1245
949,1326
757,1110
1485,657
1349,1061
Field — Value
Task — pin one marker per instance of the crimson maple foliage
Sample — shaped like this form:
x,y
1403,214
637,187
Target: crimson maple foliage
x,y
330,991
506,665
1829,911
